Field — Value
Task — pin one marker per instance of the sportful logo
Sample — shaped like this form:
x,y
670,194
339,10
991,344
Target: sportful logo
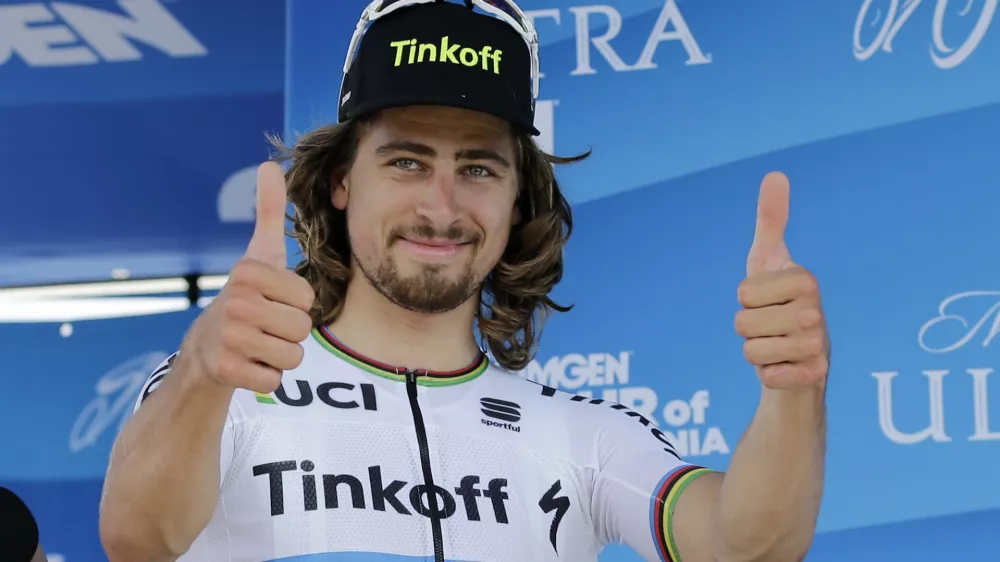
x,y
453,53
325,393
502,410
382,496
33,32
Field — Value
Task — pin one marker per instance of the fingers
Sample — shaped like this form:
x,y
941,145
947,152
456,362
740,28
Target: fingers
x,y
283,321
777,320
268,241
276,319
259,378
777,287
275,284
253,346
783,349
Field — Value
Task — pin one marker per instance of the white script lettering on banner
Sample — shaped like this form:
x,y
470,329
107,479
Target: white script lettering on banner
x,y
948,332
89,35
670,17
582,374
887,18
116,391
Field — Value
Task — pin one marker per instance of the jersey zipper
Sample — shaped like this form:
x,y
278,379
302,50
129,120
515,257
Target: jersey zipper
x,y
425,464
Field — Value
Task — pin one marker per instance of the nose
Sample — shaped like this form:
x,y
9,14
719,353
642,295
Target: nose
x,y
438,202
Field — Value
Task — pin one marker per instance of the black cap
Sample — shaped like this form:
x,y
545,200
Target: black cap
x,y
441,54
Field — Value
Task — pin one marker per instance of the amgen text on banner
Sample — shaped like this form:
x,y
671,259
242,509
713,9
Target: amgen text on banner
x,y
69,34
683,421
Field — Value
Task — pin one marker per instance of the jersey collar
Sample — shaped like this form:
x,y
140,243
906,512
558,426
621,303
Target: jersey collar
x,y
427,378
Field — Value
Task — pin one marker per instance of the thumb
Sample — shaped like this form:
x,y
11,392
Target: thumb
x,y
768,251
268,241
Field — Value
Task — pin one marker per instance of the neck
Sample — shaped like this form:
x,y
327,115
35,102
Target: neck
x,y
375,327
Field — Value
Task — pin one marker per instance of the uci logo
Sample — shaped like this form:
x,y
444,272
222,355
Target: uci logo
x,y
446,52
334,394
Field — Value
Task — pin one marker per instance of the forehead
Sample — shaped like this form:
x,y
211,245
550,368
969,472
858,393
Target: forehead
x,y
431,125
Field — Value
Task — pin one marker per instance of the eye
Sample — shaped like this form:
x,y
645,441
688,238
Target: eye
x,y
406,164
480,172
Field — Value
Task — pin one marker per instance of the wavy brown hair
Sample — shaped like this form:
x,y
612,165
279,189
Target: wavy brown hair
x,y
514,299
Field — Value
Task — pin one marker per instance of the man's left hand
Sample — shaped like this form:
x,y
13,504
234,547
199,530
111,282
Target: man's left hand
x,y
782,319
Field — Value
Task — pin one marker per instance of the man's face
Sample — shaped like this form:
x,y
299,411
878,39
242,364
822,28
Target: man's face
x,y
430,201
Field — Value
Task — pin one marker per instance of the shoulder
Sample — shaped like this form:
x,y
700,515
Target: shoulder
x,y
601,425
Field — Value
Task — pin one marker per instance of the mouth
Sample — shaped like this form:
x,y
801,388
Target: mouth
x,y
433,248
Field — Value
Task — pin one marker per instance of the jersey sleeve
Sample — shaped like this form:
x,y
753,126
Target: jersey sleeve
x,y
228,446
638,480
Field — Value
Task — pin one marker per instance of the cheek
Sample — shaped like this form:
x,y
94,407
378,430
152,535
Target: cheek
x,y
364,232
497,229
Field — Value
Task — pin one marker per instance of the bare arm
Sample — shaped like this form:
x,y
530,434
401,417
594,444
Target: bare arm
x,y
765,508
163,478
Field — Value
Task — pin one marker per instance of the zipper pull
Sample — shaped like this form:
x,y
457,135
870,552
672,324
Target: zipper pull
x,y
411,375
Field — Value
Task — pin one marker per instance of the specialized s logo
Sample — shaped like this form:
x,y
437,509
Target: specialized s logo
x,y
453,53
560,504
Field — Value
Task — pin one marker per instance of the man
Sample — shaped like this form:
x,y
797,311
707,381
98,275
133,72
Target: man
x,y
355,413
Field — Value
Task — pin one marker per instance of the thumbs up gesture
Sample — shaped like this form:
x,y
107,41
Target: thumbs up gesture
x,y
254,328
782,317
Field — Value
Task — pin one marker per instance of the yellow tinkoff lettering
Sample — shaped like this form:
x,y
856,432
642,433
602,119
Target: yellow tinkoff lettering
x,y
414,53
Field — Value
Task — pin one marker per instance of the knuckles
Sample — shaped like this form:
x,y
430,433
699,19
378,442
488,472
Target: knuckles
x,y
810,317
303,325
811,346
743,323
803,281
302,293
744,291
251,275
750,351
246,272
772,287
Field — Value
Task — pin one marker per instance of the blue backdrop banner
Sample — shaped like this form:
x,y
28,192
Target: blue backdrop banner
x,y
131,130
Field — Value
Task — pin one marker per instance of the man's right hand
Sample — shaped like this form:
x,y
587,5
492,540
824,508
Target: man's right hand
x,y
254,328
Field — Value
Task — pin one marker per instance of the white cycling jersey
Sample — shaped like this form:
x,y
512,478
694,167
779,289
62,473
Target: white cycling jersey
x,y
338,464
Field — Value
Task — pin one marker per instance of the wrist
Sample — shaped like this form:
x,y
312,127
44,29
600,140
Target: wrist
x,y
798,402
195,379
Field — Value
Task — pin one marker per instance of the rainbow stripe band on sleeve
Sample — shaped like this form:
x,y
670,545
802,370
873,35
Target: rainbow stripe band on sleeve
x,y
662,508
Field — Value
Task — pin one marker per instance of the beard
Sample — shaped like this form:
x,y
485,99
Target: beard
x,y
427,291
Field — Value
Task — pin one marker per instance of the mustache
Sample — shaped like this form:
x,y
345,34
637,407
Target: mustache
x,y
455,234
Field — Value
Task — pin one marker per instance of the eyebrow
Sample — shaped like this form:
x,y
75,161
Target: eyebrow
x,y
424,150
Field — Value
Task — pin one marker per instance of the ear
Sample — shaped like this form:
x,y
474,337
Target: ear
x,y
341,186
